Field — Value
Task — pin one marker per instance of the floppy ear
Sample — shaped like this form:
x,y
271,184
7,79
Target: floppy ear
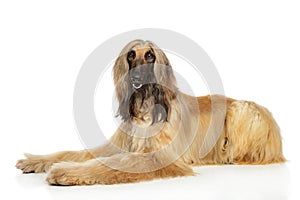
x,y
121,70
163,69
121,81
120,73
165,78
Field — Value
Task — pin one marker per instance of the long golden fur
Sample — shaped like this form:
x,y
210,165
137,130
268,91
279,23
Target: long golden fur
x,y
164,132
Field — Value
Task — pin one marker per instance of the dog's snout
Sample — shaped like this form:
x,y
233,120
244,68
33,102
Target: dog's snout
x,y
136,75
136,78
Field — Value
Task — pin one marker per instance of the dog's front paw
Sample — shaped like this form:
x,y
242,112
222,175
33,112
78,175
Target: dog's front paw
x,y
68,174
33,164
58,176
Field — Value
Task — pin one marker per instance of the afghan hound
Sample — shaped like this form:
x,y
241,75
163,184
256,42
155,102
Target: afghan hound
x,y
164,132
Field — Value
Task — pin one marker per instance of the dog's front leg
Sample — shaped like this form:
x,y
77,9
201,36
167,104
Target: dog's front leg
x,y
120,168
41,163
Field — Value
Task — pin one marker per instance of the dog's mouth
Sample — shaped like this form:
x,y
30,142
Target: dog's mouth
x,y
137,85
141,75
136,82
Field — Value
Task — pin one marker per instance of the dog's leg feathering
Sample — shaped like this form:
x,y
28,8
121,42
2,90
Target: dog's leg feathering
x,y
41,163
96,172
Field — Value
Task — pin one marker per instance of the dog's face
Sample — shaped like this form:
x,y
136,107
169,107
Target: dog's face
x,y
141,66
144,81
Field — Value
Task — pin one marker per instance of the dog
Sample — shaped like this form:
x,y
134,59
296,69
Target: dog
x,y
164,132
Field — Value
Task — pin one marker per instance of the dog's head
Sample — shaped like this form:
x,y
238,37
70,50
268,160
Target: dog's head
x,y
142,71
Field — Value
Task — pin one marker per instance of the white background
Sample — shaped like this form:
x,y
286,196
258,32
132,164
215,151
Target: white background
x,y
255,45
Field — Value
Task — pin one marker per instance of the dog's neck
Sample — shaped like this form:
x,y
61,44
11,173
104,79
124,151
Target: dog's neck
x,y
142,112
148,105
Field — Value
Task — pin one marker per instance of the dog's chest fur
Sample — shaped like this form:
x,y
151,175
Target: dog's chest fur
x,y
145,135
142,111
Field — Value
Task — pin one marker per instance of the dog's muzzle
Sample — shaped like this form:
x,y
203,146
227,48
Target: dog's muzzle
x,y
141,75
136,82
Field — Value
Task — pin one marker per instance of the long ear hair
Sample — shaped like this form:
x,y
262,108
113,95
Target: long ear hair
x,y
164,74
162,68
121,79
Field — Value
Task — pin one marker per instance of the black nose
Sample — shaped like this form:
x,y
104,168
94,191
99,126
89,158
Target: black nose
x,y
136,78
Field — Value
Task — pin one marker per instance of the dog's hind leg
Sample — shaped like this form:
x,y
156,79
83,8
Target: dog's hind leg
x,y
253,135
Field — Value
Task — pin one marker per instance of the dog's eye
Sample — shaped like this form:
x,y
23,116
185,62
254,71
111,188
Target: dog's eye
x,y
131,55
149,56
